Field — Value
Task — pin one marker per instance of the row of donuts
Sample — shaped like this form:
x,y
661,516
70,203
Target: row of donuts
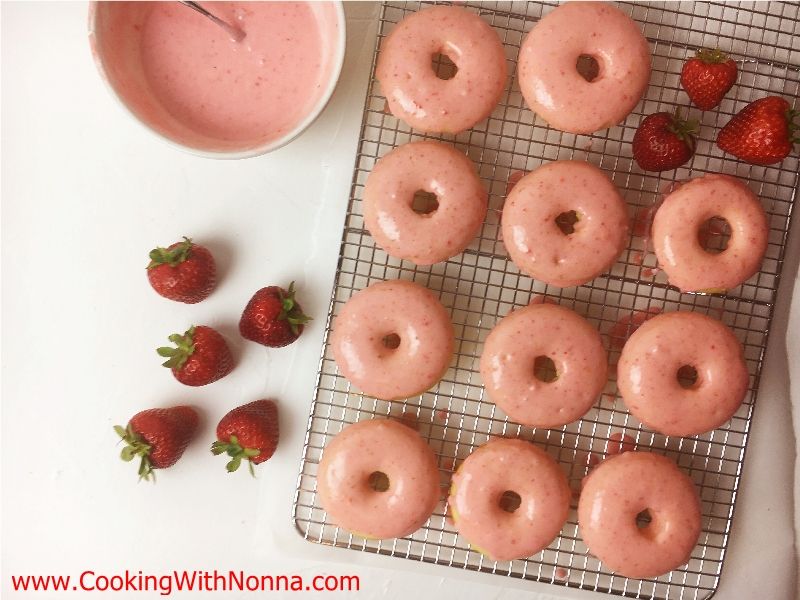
x,y
378,479
537,238
680,373
546,71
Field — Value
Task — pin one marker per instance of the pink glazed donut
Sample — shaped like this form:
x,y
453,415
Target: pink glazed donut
x,y
393,340
551,84
431,167
613,496
647,373
356,468
413,91
677,224
532,235
497,468
552,331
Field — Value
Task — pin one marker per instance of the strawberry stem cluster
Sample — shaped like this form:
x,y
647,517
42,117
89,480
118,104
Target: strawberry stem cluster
x,y
793,127
237,454
711,55
685,129
170,256
291,312
136,446
177,357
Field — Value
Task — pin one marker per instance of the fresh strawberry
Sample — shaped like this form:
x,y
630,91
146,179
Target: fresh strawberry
x,y
708,77
184,272
200,357
663,142
158,436
273,317
762,133
249,432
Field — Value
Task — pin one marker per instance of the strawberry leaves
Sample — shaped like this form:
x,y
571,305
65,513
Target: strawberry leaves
x,y
291,312
172,256
136,446
184,348
237,453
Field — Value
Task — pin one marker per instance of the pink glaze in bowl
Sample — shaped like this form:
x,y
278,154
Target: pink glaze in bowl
x,y
180,75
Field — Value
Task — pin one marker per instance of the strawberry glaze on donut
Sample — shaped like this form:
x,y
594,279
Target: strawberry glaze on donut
x,y
509,465
647,373
616,492
555,90
677,224
563,336
413,91
351,499
432,167
533,238
361,332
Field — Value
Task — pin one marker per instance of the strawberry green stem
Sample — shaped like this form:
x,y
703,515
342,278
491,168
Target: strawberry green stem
x,y
291,312
166,256
136,446
237,453
711,55
184,348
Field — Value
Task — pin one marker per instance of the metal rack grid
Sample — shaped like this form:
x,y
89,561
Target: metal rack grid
x,y
482,285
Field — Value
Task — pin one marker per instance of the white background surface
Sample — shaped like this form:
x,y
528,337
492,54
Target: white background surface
x,y
86,192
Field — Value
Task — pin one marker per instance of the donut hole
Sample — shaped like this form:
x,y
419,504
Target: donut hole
x,y
443,66
391,341
565,221
643,519
687,377
509,501
378,481
424,203
544,369
587,67
714,234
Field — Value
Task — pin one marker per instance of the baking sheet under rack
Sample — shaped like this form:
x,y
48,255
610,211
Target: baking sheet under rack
x,y
481,285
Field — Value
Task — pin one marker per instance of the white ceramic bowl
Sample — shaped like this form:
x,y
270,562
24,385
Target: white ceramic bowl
x,y
123,73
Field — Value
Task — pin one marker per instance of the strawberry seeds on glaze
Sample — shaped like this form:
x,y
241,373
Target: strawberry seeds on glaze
x,y
184,272
201,356
158,436
707,77
273,317
248,432
664,142
762,133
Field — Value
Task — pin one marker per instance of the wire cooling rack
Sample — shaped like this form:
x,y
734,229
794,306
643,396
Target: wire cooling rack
x,y
482,285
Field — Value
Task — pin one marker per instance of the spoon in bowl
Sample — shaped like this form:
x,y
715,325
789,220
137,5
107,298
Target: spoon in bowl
x,y
237,35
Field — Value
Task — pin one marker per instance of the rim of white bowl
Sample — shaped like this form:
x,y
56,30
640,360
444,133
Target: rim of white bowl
x,y
312,116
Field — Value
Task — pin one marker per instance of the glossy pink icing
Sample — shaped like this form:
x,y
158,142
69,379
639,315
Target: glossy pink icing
x,y
382,446
677,223
649,363
621,487
551,84
536,244
509,465
413,91
574,346
396,307
432,167
183,75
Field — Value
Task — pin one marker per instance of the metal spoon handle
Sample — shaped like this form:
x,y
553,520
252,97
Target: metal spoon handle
x,y
236,34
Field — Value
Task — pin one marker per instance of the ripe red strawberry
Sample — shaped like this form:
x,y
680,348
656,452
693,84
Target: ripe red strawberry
x,y
708,77
663,142
200,357
158,436
762,133
249,432
273,317
184,272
